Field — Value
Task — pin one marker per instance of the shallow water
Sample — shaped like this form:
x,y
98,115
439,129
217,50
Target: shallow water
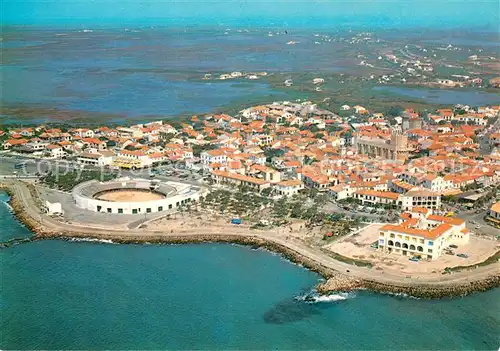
x,y
443,96
156,72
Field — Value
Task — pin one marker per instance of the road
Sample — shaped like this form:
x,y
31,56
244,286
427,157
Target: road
x,y
22,193
33,166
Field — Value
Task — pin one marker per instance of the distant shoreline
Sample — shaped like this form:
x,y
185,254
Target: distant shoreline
x,y
336,281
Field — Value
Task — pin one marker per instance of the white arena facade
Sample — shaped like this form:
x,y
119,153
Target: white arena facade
x,y
134,196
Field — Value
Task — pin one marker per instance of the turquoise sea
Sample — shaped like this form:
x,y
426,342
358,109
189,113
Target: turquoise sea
x,y
86,295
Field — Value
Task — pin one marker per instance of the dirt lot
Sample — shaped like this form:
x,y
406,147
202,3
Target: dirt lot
x,y
130,196
358,246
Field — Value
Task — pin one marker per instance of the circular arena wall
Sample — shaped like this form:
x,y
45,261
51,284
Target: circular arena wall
x,y
169,196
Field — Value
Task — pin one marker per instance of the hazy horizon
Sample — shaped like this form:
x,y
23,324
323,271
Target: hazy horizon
x,y
327,13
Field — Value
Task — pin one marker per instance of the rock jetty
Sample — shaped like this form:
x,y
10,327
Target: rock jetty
x,y
335,280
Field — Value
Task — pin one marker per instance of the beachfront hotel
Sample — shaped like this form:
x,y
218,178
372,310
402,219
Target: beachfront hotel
x,y
422,233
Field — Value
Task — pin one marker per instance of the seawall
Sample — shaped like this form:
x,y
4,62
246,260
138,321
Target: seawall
x,y
335,280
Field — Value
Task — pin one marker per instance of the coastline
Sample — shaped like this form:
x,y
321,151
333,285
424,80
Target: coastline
x,y
335,280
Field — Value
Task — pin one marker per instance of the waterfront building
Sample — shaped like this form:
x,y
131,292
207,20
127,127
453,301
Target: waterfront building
x,y
422,233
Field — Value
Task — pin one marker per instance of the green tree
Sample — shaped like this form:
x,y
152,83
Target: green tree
x,y
394,111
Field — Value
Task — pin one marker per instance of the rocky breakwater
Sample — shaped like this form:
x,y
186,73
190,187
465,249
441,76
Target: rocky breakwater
x,y
342,283
20,212
335,281
339,283
253,241
18,207
436,291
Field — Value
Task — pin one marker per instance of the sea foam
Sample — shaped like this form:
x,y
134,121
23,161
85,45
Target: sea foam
x,y
104,241
8,206
314,297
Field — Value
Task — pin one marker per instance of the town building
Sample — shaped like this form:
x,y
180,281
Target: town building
x,y
374,197
235,179
421,233
288,187
132,159
54,151
419,197
213,156
101,158
396,148
52,208
494,213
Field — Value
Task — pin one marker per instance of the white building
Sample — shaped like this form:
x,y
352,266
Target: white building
x,y
494,213
132,159
422,233
372,197
52,208
83,195
419,197
289,187
102,158
213,156
84,133
54,151
126,132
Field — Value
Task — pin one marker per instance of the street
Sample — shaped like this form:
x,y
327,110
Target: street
x,y
40,166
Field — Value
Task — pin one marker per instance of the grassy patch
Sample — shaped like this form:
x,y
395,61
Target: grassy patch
x,y
492,259
353,261
67,181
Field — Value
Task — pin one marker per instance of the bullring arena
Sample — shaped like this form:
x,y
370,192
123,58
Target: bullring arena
x,y
134,196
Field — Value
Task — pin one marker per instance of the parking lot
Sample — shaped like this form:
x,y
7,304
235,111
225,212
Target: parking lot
x,y
358,246
176,171
368,213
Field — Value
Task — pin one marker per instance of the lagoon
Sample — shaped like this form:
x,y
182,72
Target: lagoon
x,y
443,96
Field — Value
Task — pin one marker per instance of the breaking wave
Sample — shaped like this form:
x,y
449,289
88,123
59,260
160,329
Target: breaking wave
x,y
8,206
104,241
401,295
314,297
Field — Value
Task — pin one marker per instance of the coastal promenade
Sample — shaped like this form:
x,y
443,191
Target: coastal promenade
x,y
341,275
